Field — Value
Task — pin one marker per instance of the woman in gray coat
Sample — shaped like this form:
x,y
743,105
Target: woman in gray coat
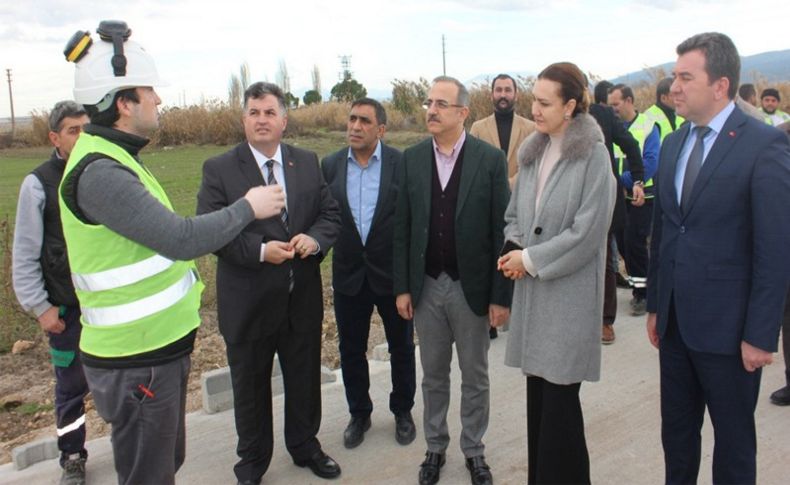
x,y
559,213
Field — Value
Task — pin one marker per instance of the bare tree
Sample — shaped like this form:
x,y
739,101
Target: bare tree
x,y
282,77
238,84
316,79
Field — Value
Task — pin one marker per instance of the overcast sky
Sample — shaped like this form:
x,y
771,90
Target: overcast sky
x,y
198,44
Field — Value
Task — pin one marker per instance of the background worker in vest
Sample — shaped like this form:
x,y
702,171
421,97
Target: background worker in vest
x,y
769,99
663,112
614,133
637,228
130,257
504,129
42,283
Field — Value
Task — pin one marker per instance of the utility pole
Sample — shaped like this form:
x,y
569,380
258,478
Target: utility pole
x,y
444,60
11,99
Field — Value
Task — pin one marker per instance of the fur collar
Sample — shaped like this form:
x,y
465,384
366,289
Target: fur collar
x,y
577,144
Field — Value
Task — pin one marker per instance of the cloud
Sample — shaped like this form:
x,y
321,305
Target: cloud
x,y
503,5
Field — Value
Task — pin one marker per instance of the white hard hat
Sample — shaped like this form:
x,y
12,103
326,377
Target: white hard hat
x,y
98,77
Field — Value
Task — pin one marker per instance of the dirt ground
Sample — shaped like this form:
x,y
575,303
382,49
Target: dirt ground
x,y
27,381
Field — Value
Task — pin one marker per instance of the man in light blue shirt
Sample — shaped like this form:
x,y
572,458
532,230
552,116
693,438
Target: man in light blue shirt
x,y
363,178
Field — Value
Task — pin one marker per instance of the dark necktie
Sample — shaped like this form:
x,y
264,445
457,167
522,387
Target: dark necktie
x,y
694,165
270,180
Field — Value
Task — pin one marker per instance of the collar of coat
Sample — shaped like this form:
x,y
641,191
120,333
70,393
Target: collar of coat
x,y
577,144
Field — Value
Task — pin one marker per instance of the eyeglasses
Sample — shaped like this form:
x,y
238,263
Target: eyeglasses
x,y
440,104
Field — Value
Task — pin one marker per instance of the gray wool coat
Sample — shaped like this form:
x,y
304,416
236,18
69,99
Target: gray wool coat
x,y
555,322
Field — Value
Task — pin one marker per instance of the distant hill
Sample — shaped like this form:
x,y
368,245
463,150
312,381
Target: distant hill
x,y
771,66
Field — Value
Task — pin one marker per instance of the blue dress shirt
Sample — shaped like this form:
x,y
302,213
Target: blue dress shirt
x,y
362,190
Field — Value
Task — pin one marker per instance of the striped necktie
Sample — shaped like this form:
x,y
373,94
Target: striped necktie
x,y
271,180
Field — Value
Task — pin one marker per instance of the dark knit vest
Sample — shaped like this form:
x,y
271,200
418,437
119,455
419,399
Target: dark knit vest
x,y
441,254
54,260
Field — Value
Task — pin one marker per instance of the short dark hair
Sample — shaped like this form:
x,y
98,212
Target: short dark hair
x,y
601,91
463,93
770,92
625,91
573,84
721,57
747,90
109,116
381,113
260,89
662,88
63,110
504,76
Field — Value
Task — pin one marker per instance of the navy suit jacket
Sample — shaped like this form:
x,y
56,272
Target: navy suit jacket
x,y
725,259
352,261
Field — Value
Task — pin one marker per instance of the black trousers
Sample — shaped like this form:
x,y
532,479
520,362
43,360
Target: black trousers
x,y
637,232
692,381
70,386
251,375
610,286
556,446
353,325
786,338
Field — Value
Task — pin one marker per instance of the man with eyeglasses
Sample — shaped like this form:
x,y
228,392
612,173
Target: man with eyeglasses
x,y
449,224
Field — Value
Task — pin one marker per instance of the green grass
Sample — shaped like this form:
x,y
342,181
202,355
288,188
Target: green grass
x,y
178,169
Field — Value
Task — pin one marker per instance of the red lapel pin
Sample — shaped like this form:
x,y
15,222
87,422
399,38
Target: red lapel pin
x,y
732,134
291,164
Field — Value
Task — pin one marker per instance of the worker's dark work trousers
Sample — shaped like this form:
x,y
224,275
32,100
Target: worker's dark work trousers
x,y
146,407
70,386
637,232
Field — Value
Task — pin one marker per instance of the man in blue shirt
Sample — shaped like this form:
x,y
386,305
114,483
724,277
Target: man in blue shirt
x,y
363,178
637,229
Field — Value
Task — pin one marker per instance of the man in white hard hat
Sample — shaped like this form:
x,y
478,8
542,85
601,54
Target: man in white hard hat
x,y
131,257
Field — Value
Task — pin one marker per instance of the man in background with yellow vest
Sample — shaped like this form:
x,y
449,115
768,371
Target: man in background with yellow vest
x,y
638,218
131,257
769,99
42,283
663,112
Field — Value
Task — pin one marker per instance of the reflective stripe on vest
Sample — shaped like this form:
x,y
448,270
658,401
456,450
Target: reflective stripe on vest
x,y
133,300
122,275
144,307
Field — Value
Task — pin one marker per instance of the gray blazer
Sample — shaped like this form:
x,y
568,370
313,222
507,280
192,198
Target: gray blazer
x,y
555,322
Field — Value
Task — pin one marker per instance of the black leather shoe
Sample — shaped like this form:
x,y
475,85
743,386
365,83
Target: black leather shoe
x,y
479,471
355,431
781,397
405,431
430,468
249,482
321,464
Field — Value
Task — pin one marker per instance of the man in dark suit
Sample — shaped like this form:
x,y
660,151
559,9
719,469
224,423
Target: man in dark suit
x,y
614,133
719,267
363,178
449,225
269,293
